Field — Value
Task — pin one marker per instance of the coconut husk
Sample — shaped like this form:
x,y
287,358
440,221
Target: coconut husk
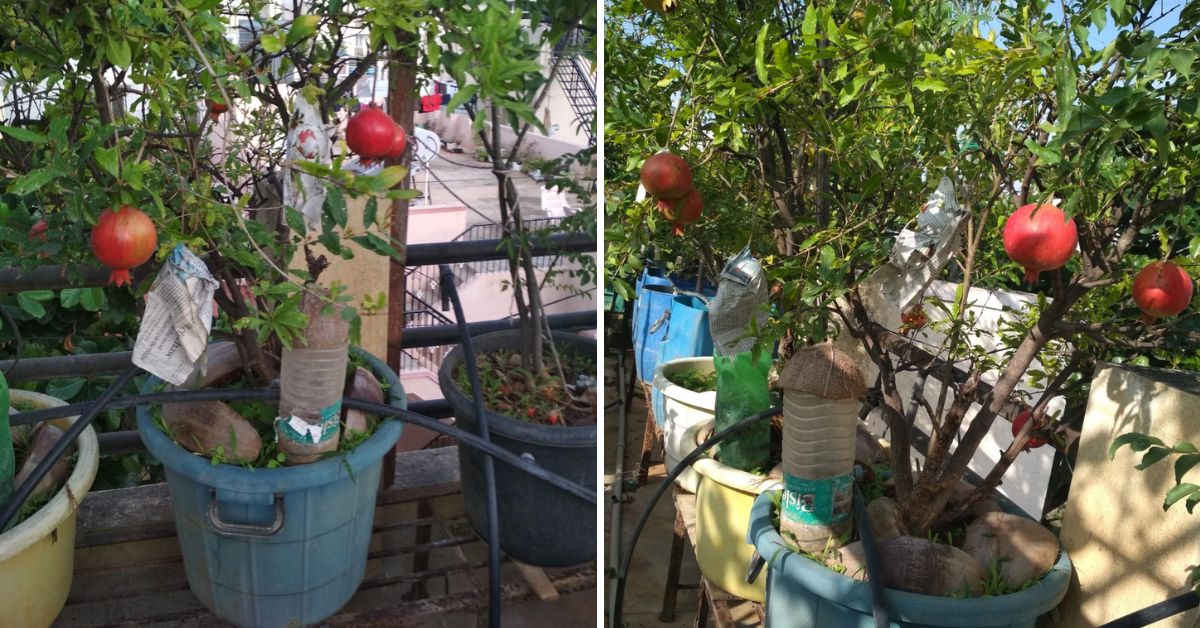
x,y
886,522
823,371
918,566
40,441
1024,549
202,426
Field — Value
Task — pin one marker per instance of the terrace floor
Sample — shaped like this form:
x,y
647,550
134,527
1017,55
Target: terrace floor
x,y
475,184
426,566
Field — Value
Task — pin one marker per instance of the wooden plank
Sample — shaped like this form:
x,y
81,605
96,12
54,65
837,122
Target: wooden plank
x,y
538,581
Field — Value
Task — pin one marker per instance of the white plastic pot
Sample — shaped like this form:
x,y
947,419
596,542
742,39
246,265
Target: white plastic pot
x,y
681,409
723,502
37,556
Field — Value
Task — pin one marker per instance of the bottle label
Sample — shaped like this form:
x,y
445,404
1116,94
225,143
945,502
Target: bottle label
x,y
302,431
817,502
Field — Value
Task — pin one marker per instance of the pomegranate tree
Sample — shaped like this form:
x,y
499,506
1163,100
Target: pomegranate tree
x,y
371,134
1162,289
123,239
1039,237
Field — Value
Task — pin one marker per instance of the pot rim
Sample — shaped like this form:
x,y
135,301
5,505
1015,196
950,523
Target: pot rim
x,y
577,436
724,474
903,605
706,401
66,500
286,478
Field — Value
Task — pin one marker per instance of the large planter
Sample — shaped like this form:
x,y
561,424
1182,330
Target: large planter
x,y
723,501
276,547
802,593
539,523
37,556
680,409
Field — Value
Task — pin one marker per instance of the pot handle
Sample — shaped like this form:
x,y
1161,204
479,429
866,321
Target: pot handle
x,y
756,565
244,529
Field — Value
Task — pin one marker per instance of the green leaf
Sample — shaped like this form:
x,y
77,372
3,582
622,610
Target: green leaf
x,y
1183,464
388,178
302,28
903,29
65,389
1178,492
370,211
1136,442
92,299
930,85
108,159
23,135
1047,155
118,51
295,221
1153,455
461,96
1182,60
69,297
760,53
377,244
34,180
335,204
30,306
271,43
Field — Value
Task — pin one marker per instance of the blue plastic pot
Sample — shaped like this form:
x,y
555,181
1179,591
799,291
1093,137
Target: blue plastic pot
x,y
275,547
688,336
802,592
692,283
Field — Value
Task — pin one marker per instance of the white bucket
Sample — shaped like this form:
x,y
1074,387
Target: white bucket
x,y
683,408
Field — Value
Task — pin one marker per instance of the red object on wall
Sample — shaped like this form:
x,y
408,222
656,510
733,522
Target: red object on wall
x,y
433,102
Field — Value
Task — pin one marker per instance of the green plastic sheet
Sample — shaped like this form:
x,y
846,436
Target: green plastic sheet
x,y
742,391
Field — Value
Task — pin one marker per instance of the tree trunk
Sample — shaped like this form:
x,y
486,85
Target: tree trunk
x,y
402,100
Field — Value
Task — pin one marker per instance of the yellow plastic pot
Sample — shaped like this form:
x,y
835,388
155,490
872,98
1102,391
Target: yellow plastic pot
x,y
37,557
723,502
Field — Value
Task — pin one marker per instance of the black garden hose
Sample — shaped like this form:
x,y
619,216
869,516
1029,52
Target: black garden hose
x,y
623,569
489,469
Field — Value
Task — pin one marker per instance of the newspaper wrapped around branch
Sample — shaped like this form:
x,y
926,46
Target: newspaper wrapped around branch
x,y
918,256
308,140
173,335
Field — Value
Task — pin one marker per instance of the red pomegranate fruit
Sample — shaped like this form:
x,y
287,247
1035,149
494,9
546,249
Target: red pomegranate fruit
x,y
1039,237
666,175
682,211
1162,289
122,239
1019,422
215,109
399,143
371,133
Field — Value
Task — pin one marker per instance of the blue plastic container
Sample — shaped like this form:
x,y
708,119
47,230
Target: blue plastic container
x,y
650,327
692,284
802,593
688,336
276,547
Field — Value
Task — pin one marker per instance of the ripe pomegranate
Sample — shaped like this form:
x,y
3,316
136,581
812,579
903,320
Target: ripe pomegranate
x,y
122,239
371,133
1019,422
682,211
1162,289
215,109
1039,237
399,143
665,175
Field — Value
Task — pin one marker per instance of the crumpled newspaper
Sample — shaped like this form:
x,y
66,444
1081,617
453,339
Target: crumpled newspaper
x,y
308,140
918,256
173,335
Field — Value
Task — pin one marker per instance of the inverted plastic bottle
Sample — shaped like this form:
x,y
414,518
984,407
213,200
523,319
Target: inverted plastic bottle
x,y
822,389
311,379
